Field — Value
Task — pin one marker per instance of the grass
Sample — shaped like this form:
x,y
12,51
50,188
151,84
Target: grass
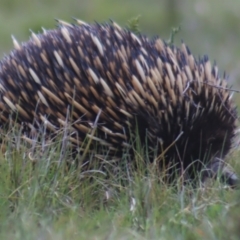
x,y
42,196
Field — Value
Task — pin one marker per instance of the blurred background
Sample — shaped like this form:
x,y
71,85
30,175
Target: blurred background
x,y
207,27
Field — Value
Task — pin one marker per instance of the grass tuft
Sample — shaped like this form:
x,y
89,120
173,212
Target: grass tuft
x,y
44,194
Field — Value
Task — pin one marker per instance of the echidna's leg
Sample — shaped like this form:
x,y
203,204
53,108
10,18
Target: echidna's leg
x,y
218,166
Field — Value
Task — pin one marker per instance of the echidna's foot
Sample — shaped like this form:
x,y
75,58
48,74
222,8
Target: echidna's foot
x,y
217,167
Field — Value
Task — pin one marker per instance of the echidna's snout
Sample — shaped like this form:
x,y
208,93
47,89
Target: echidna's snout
x,y
219,168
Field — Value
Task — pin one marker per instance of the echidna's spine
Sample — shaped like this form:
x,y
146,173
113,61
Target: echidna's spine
x,y
105,76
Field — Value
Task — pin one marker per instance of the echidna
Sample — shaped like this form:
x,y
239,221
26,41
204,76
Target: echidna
x,y
104,75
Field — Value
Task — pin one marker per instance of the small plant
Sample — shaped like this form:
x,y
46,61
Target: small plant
x,y
133,24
